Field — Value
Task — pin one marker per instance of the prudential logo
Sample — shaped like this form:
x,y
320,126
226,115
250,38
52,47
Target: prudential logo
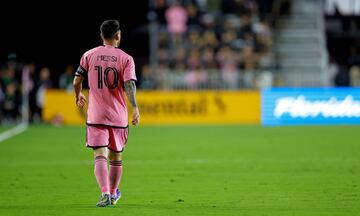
x,y
301,107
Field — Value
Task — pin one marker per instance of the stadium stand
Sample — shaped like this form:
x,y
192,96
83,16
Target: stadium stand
x,y
219,45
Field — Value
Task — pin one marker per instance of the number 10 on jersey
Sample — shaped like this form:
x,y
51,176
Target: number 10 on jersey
x,y
103,77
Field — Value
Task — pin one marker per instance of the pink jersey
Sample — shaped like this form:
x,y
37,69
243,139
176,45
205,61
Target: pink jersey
x,y
107,69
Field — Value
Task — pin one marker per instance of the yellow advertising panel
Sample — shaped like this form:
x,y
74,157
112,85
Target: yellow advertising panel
x,y
60,107
160,107
199,107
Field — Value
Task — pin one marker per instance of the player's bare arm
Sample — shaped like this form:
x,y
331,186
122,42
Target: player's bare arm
x,y
80,98
130,89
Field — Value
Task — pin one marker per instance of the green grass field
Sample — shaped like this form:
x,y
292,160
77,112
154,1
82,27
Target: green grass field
x,y
188,170
4,128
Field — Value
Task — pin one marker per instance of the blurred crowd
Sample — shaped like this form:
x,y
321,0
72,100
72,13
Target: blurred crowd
x,y
345,74
17,78
210,44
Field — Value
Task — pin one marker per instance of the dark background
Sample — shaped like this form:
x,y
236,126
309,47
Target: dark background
x,y
55,34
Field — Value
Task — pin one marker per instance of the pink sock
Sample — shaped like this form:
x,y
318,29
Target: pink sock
x,y
115,175
101,173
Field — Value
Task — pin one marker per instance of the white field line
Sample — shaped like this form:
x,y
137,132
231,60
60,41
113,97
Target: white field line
x,y
13,131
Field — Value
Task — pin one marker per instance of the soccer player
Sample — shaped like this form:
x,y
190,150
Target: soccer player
x,y
110,72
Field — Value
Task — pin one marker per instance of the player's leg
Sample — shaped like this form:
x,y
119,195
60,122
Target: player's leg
x,y
115,173
101,169
98,138
102,175
117,141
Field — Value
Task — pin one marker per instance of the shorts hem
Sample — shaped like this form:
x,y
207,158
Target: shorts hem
x,y
116,151
95,147
106,125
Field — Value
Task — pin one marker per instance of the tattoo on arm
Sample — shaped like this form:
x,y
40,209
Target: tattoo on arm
x,y
130,89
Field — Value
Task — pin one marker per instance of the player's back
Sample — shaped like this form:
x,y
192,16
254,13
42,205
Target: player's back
x,y
107,69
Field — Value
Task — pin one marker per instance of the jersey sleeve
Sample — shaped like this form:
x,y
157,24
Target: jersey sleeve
x,y
83,67
129,70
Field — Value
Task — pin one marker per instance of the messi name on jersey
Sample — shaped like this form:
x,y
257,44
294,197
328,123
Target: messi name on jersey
x,y
107,58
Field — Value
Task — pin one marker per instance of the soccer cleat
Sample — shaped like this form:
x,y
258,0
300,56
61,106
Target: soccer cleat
x,y
104,201
115,198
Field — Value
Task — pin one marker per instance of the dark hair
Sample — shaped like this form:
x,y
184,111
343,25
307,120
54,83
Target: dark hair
x,y
109,28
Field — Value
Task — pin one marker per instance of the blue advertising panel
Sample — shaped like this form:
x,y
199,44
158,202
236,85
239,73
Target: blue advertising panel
x,y
302,106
